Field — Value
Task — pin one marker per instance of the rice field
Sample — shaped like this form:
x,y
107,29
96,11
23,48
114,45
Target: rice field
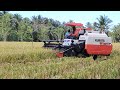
x,y
27,60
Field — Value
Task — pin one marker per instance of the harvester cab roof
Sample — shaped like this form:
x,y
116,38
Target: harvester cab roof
x,y
74,24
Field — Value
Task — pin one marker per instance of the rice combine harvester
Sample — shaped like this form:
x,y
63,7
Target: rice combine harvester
x,y
84,41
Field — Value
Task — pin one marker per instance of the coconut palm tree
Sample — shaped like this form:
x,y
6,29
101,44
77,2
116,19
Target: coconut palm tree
x,y
17,18
3,12
103,23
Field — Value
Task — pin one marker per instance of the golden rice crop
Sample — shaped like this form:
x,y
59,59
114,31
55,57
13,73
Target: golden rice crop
x,y
30,60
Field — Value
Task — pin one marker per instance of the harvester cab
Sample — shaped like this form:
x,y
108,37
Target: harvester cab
x,y
75,35
85,41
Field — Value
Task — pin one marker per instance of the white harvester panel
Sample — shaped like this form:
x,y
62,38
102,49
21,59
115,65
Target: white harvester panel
x,y
67,42
97,39
97,43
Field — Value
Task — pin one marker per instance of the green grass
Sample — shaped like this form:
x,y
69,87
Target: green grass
x,y
24,60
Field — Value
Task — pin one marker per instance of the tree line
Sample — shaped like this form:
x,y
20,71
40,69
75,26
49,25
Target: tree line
x,y
16,28
13,27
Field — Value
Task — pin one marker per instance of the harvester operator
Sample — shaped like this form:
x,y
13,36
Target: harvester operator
x,y
67,35
74,34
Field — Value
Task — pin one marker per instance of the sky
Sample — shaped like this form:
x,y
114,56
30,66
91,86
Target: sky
x,y
77,16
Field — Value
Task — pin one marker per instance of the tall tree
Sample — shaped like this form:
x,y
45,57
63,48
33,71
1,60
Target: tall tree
x,y
5,25
40,19
103,23
116,33
16,24
3,12
17,18
35,23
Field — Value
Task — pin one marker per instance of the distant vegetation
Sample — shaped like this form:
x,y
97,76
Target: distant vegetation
x,y
16,28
